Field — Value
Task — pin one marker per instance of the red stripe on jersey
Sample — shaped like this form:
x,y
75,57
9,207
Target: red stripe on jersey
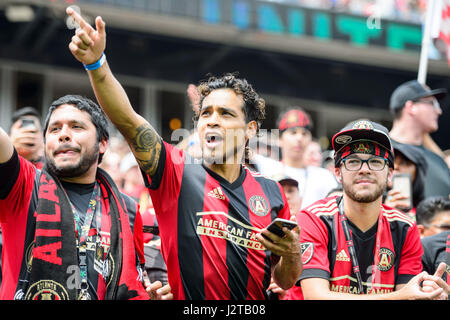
x,y
255,258
214,241
164,204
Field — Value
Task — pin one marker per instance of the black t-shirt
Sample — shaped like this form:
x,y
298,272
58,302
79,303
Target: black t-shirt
x,y
434,252
364,247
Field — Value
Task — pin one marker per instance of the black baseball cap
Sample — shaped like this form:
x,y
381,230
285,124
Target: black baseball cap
x,y
366,131
25,111
413,90
285,179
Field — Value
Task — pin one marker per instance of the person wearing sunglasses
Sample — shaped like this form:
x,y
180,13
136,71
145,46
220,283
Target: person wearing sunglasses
x,y
416,110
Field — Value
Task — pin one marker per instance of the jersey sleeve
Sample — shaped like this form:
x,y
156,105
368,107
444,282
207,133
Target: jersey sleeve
x,y
165,184
17,181
314,242
411,256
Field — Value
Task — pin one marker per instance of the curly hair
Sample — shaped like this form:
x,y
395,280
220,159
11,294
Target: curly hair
x,y
254,106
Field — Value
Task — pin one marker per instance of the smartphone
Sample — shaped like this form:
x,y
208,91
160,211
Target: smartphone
x,y
151,229
27,123
277,225
402,182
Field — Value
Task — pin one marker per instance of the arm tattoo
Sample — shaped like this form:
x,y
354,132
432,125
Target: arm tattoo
x,y
147,141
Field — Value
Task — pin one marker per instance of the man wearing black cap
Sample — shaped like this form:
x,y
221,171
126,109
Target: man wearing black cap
x,y
416,111
295,133
353,246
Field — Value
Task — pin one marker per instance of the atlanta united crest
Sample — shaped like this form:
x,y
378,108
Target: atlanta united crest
x,y
363,124
259,205
47,290
385,259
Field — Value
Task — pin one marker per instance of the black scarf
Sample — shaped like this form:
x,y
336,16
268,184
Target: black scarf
x,y
50,266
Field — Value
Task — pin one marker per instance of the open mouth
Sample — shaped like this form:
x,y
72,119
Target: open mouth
x,y
213,139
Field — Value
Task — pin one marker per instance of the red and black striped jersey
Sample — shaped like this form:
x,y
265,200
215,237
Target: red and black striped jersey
x,y
208,228
326,255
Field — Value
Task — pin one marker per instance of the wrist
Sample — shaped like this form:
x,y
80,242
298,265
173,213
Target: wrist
x,y
96,65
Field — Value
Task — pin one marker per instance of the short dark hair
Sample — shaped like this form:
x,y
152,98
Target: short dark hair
x,y
254,106
25,111
430,207
97,115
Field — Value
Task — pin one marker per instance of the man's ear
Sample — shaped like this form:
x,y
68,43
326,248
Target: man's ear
x,y
337,173
410,107
421,229
102,146
251,129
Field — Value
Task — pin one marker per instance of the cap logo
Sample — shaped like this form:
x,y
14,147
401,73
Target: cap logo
x,y
343,139
363,124
361,148
292,118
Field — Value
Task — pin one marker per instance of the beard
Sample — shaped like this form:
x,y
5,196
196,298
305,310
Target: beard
x,y
364,197
73,170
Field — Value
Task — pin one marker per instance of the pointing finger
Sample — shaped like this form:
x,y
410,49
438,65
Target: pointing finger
x,y
83,24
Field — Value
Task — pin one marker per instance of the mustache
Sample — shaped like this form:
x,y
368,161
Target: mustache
x,y
66,147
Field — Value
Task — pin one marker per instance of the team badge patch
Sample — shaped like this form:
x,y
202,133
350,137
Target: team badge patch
x,y
47,290
259,205
385,259
363,124
307,251
343,139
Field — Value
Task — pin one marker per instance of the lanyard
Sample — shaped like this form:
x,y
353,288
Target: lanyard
x,y
82,232
351,248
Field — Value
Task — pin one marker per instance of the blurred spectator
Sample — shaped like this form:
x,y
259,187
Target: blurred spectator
x,y
191,145
434,253
408,10
154,263
290,187
26,135
111,164
433,216
409,159
416,111
133,183
313,154
295,134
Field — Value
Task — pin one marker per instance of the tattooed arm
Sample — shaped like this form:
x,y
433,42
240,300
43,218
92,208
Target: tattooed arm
x,y
87,46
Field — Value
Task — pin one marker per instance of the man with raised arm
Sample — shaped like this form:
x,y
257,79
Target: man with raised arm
x,y
68,232
211,215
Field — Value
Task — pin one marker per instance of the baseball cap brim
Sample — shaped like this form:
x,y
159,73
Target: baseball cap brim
x,y
437,93
352,135
289,181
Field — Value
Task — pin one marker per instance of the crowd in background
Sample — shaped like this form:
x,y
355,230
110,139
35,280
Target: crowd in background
x,y
407,10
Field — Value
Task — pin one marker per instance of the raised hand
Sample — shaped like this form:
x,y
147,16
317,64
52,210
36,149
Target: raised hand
x,y
87,44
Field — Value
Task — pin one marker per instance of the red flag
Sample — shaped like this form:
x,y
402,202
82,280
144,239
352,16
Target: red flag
x,y
441,27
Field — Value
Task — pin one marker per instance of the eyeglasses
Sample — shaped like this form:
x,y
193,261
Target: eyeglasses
x,y
355,164
433,102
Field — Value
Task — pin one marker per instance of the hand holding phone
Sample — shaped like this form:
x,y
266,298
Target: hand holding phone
x,y
402,189
276,227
